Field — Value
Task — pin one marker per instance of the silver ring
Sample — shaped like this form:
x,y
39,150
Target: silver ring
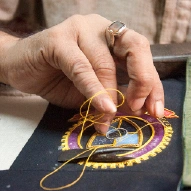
x,y
116,29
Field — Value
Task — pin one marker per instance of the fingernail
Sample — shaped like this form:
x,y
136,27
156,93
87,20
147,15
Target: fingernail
x,y
137,104
109,106
159,109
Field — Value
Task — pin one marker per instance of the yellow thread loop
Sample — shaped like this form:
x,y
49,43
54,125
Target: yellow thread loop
x,y
93,149
85,118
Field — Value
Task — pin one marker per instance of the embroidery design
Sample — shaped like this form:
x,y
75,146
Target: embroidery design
x,y
144,136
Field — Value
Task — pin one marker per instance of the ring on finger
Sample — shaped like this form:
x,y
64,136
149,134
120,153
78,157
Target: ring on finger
x,y
115,30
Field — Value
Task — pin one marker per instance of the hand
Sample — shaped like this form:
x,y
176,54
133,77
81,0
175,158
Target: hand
x,y
71,62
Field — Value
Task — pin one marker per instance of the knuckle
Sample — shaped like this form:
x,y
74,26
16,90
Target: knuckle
x,y
103,66
78,66
86,85
131,44
91,85
76,17
139,40
93,15
145,79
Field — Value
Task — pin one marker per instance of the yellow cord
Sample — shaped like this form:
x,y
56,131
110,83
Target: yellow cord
x,y
92,121
89,101
75,181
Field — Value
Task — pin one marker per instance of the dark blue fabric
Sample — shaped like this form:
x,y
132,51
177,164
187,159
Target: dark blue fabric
x,y
39,157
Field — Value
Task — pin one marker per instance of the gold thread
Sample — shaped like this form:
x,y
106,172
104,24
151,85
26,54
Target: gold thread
x,y
86,118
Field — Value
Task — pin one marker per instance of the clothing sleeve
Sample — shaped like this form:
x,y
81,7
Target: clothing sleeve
x,y
8,9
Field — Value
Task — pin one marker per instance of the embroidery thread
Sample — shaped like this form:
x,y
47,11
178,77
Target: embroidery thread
x,y
141,138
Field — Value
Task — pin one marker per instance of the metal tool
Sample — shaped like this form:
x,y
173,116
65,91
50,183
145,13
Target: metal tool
x,y
108,154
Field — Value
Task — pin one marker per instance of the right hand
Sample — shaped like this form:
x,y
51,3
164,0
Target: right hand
x,y
71,62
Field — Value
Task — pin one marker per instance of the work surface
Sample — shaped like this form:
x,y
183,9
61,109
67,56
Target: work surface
x,y
25,157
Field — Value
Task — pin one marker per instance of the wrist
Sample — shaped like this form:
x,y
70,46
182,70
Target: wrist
x,y
6,43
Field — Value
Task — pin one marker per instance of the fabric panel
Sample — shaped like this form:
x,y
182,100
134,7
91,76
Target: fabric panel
x,y
19,117
39,157
187,128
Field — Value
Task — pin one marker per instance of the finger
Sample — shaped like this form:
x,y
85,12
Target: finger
x,y
102,62
136,49
78,69
103,123
95,48
125,109
157,109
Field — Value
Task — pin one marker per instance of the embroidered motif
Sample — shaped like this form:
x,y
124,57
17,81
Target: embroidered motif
x,y
145,137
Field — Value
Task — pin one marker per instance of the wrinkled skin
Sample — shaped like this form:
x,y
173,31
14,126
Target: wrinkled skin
x,y
71,62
